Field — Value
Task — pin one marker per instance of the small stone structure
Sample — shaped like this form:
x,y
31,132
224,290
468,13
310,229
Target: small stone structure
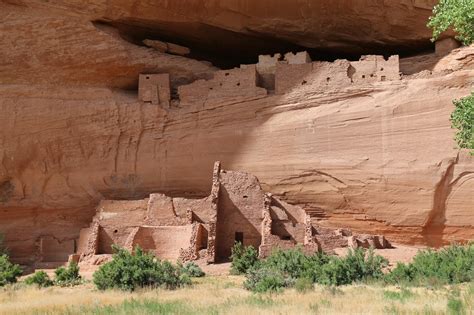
x,y
155,88
237,210
227,86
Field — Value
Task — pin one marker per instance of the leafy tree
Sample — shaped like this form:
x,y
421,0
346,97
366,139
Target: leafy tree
x,y
8,271
456,14
462,119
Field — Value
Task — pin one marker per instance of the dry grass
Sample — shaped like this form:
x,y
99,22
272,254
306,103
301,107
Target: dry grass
x,y
225,295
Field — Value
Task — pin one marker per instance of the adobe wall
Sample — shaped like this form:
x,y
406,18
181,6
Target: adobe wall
x,y
227,86
297,70
212,224
109,235
370,69
197,246
297,58
317,75
201,208
241,200
165,242
161,211
266,68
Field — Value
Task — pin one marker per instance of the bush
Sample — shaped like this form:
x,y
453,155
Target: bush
x,y
264,279
39,278
193,270
462,119
8,272
456,14
357,265
69,276
292,267
129,271
243,258
450,265
296,264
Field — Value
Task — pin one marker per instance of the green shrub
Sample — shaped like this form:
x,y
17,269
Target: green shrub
x,y
66,277
292,267
462,119
265,279
39,278
193,270
455,14
129,271
357,265
401,274
296,264
9,272
243,258
450,265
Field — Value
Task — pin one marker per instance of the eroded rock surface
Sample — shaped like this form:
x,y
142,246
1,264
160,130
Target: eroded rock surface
x,y
374,156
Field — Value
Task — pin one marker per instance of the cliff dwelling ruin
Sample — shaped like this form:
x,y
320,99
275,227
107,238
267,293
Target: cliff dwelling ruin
x,y
273,74
177,228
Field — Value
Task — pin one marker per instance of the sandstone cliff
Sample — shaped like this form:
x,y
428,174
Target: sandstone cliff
x,y
377,157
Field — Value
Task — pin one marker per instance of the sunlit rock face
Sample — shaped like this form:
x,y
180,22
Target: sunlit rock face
x,y
376,156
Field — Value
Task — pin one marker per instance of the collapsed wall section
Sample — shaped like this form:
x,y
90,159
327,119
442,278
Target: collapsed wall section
x,y
370,69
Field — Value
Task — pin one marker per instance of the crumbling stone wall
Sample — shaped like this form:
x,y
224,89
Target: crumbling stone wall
x,y
238,217
166,242
227,86
212,231
370,69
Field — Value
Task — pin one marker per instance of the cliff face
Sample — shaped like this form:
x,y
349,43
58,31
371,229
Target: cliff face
x,y
376,157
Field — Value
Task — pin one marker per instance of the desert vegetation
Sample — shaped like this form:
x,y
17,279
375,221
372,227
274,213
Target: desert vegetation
x,y
129,271
457,15
288,281
462,119
293,268
9,272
